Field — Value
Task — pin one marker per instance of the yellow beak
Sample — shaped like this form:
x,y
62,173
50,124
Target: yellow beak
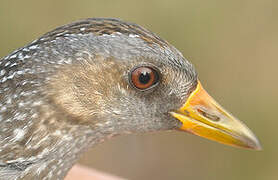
x,y
203,116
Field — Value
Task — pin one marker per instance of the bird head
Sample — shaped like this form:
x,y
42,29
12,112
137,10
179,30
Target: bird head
x,y
124,79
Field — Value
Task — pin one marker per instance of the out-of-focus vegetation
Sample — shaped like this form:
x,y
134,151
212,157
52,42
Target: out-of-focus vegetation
x,y
233,45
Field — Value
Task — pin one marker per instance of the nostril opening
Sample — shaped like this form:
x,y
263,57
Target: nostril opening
x,y
186,112
207,115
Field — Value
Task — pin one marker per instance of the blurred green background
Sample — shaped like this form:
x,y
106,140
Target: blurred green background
x,y
233,45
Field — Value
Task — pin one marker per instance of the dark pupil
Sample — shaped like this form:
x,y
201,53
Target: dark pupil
x,y
144,77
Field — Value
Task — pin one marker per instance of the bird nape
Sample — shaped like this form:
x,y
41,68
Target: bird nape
x,y
93,79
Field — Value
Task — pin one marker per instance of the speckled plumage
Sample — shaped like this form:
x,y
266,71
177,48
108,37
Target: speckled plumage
x,y
69,90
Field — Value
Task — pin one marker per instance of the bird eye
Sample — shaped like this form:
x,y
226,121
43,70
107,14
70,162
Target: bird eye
x,y
144,77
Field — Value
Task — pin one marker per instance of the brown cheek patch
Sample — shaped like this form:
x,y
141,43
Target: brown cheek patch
x,y
84,90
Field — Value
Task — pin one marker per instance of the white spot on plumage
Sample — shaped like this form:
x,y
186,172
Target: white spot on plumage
x,y
25,49
9,100
33,47
11,76
4,79
37,103
20,72
20,55
26,56
7,63
57,133
14,64
13,56
3,109
2,72
18,134
133,35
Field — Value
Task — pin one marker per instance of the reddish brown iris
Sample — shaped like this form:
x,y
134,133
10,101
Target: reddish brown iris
x,y
144,77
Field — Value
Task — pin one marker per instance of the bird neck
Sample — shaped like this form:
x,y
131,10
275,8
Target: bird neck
x,y
46,143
